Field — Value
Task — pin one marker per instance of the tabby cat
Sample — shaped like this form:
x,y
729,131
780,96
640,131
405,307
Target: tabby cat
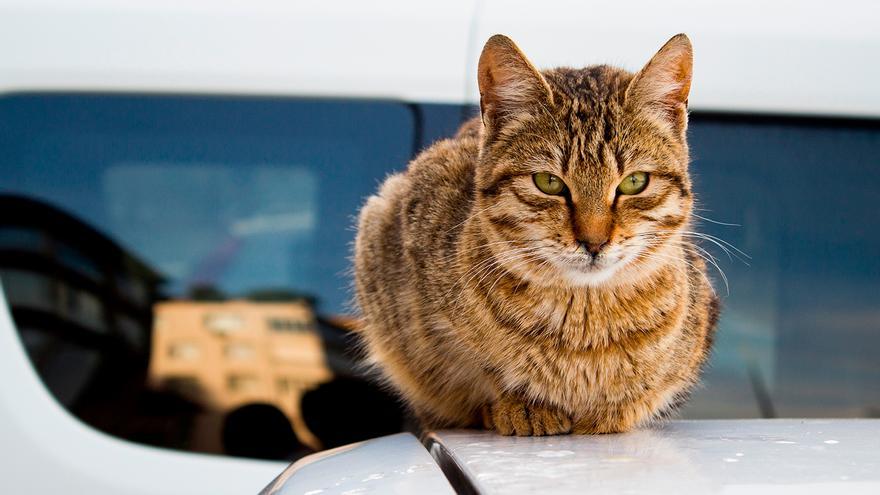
x,y
534,274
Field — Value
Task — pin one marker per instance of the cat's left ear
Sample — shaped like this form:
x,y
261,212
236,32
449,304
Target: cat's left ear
x,y
662,86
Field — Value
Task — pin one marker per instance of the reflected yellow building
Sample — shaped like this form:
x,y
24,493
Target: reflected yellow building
x,y
231,353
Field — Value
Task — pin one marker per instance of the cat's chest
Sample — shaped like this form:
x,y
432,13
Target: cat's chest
x,y
572,311
581,319
588,344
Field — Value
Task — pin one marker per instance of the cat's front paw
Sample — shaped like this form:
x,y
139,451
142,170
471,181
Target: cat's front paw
x,y
605,422
515,417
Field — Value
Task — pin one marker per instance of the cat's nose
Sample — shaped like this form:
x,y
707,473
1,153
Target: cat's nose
x,y
593,230
593,246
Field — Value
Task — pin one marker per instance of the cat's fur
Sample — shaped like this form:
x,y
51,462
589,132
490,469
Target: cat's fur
x,y
480,303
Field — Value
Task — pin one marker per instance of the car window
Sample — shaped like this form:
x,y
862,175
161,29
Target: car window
x,y
177,266
801,318
173,262
236,193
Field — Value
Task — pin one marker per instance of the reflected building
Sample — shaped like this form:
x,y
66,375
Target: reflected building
x,y
82,305
227,354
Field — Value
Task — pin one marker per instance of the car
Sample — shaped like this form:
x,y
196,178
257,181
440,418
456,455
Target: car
x,y
201,161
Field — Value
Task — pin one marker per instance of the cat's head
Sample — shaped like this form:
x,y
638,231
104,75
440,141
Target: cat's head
x,y
583,173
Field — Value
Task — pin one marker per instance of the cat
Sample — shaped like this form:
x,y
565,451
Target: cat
x,y
534,275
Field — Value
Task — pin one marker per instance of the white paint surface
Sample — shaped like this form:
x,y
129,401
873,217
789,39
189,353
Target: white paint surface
x,y
46,450
786,56
728,457
396,464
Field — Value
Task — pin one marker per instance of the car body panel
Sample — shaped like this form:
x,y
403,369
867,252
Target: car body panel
x,y
46,450
750,56
392,49
809,456
393,464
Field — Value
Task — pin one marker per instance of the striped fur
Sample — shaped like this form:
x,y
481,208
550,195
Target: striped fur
x,y
479,305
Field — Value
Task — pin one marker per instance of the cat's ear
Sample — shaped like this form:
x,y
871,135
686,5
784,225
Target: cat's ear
x,y
662,86
509,84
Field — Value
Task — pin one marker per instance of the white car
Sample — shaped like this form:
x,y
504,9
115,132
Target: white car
x,y
150,147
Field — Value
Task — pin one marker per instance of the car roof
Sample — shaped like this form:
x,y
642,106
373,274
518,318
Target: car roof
x,y
750,55
697,456
392,464
809,456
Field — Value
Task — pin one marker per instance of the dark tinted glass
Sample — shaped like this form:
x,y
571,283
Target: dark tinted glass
x,y
238,194
177,267
132,202
801,324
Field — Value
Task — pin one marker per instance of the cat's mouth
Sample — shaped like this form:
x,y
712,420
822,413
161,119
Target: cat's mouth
x,y
590,264
588,269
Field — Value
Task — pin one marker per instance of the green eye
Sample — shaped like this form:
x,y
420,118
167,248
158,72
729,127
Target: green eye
x,y
549,183
634,183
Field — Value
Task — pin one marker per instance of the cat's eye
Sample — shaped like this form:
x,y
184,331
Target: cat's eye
x,y
633,183
549,183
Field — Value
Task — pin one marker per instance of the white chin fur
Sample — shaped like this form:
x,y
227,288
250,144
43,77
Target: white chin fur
x,y
590,278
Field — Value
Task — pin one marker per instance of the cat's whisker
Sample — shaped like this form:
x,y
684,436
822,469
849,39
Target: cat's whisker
x,y
523,260
670,257
729,249
667,243
711,259
728,252
489,263
705,252
707,256
661,258
471,214
501,262
537,268
490,266
471,249
698,251
726,224
500,257
715,239
478,269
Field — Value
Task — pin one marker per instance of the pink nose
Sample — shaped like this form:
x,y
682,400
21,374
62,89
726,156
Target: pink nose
x,y
593,232
593,246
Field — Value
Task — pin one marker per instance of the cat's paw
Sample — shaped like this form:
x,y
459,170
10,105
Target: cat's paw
x,y
604,423
598,428
515,417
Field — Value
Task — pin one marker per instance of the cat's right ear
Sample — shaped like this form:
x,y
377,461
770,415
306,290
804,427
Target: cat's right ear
x,y
662,86
509,84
